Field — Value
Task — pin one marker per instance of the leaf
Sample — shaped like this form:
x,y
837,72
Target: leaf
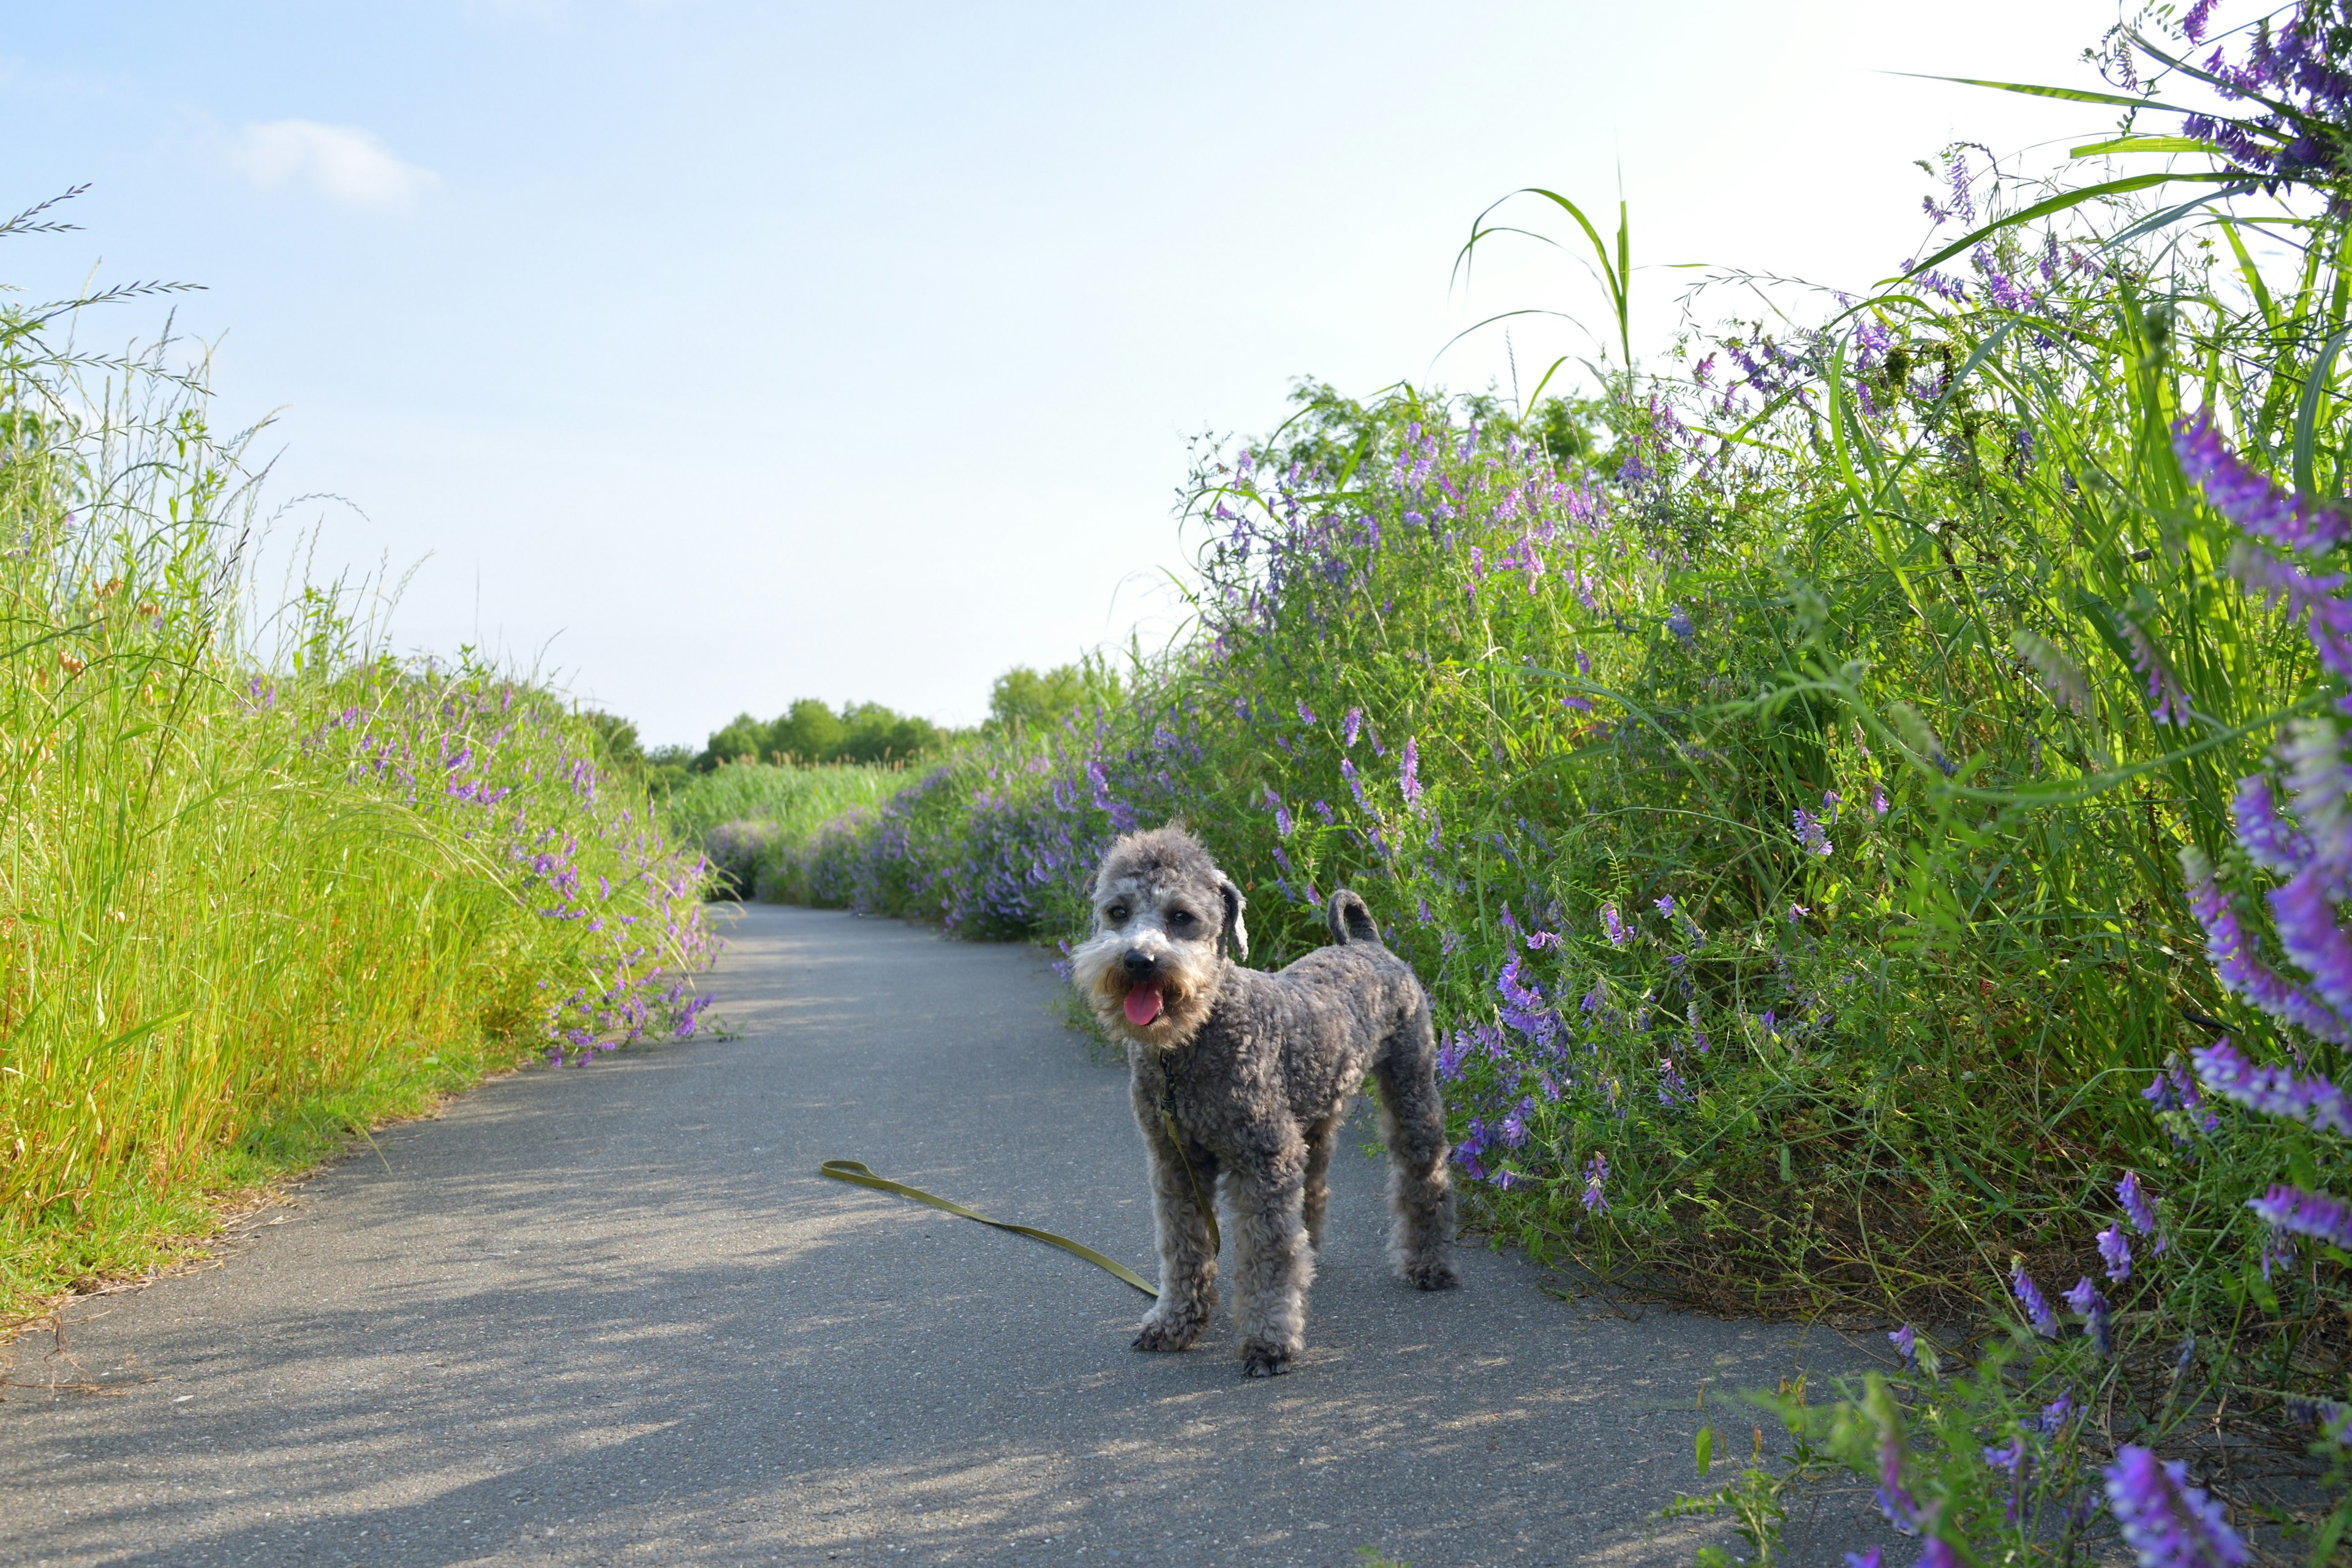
x,y
2148,144
2062,202
2071,94
2306,413
1706,1450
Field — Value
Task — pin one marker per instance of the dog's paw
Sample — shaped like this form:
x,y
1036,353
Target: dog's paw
x,y
1431,1274
1155,1335
1259,1360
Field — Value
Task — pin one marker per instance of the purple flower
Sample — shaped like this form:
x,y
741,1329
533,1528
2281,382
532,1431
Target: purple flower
x,y
2135,1205
1936,1554
2166,703
2301,1212
2174,1089
1893,1501
2245,976
1409,776
1870,1558
2037,1308
1906,1345
2272,1090
1350,724
1678,622
1348,772
1878,802
1809,833
2304,915
1515,1125
2249,499
1797,912
2087,1303
1613,924
2192,26
1596,1174
2165,1521
1306,714
1666,906
2268,840
2054,1414
2014,1461
2117,1251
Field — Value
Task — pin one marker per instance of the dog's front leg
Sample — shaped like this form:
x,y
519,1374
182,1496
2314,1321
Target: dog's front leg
x,y
1187,1263
1273,1264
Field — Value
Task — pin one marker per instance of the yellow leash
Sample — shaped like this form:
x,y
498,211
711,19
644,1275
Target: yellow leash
x,y
857,1174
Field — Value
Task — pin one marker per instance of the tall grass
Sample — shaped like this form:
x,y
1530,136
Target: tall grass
x,y
752,819
259,886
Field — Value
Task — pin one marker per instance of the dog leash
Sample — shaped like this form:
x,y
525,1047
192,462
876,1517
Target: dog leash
x,y
856,1174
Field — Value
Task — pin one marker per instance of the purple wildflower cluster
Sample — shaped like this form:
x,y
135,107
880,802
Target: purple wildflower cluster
x,y
2308,841
2292,75
2165,1521
492,763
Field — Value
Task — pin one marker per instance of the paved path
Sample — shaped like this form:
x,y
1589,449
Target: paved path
x,y
614,1315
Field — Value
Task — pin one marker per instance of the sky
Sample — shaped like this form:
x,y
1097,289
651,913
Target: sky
x,y
703,356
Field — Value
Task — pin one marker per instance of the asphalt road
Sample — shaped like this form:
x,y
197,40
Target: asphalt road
x,y
614,1315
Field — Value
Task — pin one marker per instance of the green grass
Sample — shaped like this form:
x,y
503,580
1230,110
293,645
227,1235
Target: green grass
x,y
257,899
752,819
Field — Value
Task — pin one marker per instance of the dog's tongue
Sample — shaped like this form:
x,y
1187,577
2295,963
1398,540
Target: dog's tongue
x,y
1143,1004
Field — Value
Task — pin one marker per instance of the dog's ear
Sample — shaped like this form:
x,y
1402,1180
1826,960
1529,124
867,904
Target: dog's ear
x,y
1236,935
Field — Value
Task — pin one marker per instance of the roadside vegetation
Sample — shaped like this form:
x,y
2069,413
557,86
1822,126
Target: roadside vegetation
x,y
1866,791
262,886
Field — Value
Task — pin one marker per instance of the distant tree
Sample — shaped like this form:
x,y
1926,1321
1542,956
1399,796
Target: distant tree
x,y
1023,702
744,739
809,731
873,733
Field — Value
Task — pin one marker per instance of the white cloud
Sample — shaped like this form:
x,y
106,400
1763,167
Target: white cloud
x,y
342,163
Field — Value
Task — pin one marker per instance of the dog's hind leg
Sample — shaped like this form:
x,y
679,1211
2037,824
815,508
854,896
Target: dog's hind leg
x,y
1188,1262
1413,1125
1320,1138
1272,1263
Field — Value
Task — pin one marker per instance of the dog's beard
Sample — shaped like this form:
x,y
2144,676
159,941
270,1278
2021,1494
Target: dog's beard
x,y
1161,1012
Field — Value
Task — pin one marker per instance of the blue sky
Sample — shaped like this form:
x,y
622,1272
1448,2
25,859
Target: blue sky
x,y
710,355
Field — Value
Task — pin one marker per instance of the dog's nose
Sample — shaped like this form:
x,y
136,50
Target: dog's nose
x,y
1139,965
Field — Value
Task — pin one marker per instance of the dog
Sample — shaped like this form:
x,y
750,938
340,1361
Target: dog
x,y
1245,1074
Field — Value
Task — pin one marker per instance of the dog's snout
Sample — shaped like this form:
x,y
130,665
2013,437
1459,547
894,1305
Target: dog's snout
x,y
1139,965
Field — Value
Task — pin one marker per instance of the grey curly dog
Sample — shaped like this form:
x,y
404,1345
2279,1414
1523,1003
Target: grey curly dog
x,y
1253,1072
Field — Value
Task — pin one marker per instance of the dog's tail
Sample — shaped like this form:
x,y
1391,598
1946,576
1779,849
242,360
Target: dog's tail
x,y
1350,919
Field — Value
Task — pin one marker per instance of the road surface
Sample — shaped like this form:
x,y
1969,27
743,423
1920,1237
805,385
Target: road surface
x,y
614,1315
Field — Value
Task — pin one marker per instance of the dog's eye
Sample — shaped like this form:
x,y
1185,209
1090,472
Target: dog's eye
x,y
1116,914
1180,917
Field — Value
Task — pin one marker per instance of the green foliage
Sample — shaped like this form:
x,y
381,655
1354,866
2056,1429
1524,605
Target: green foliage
x,y
809,732
1020,700
749,816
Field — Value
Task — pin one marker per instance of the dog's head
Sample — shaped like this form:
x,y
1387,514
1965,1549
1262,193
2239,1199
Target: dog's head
x,y
1165,918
